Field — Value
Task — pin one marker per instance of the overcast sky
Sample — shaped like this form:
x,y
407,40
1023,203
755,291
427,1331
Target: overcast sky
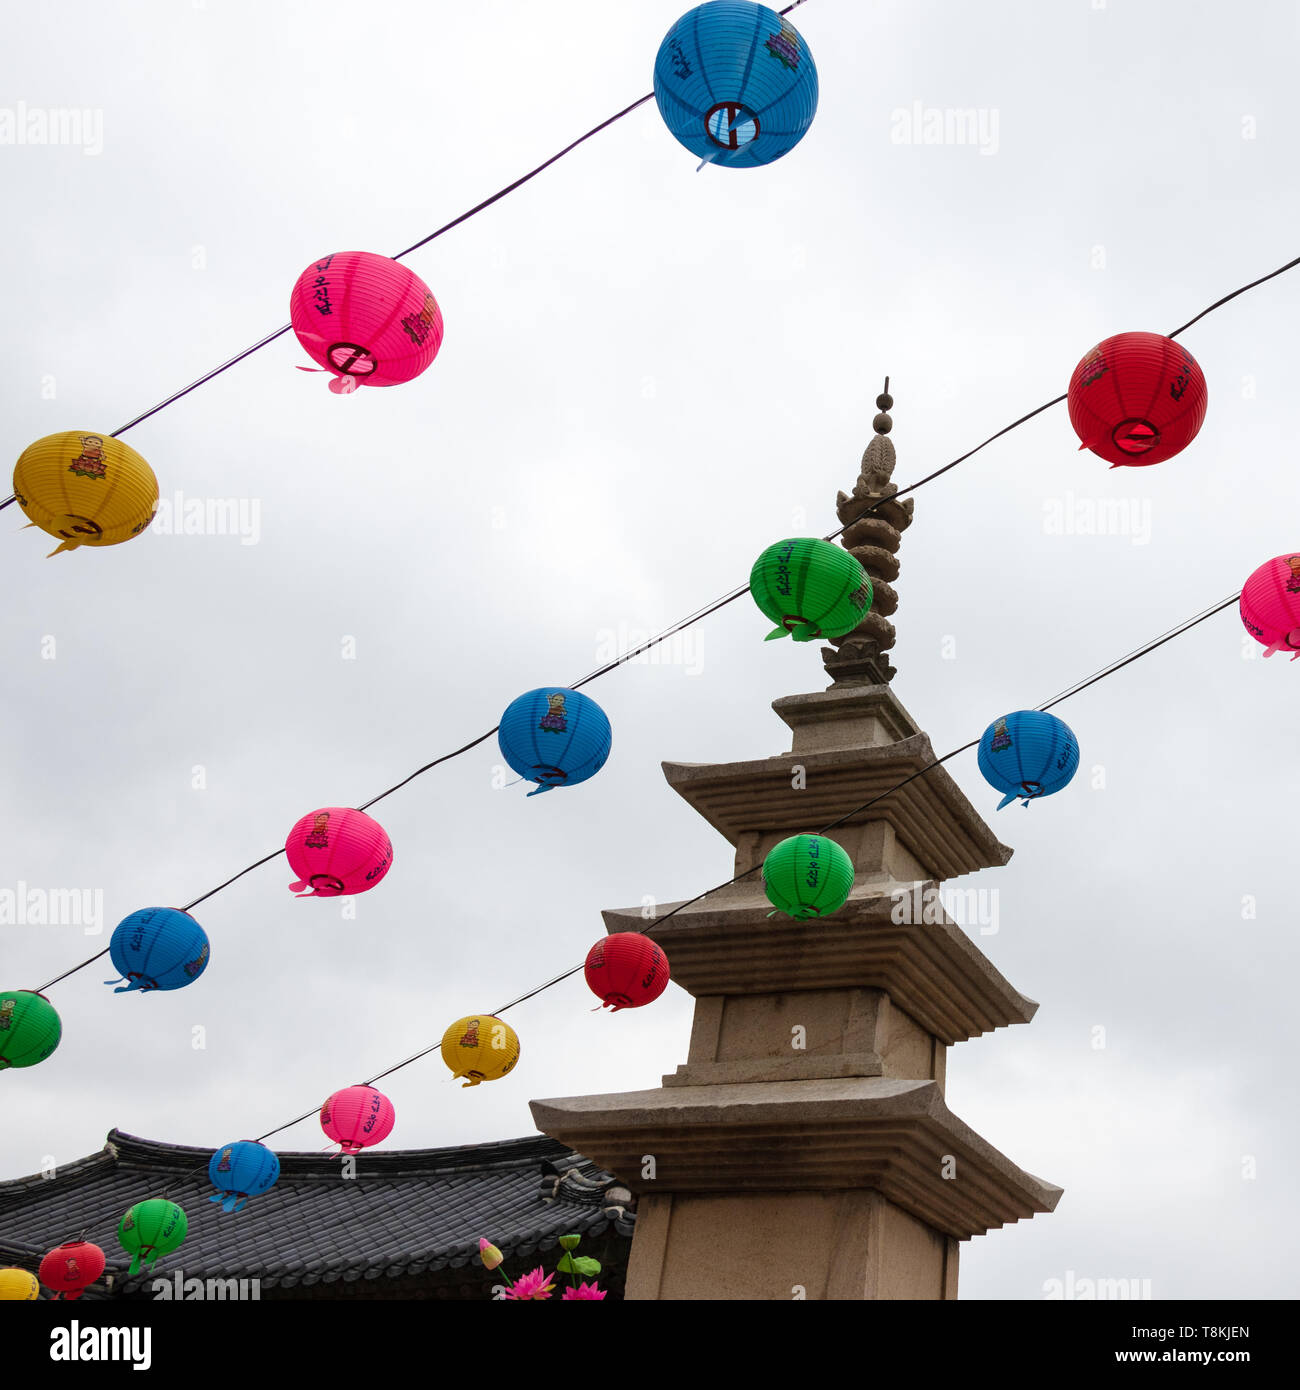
x,y
648,375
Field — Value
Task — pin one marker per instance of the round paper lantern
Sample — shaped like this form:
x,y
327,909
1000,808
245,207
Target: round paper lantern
x,y
1137,399
735,83
18,1285
357,1117
479,1048
626,970
150,1230
72,1267
807,876
158,948
555,737
1270,605
241,1170
29,1028
1028,754
811,587
337,850
365,318
85,489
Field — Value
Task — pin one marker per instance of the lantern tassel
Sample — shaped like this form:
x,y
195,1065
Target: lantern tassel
x,y
545,787
1008,799
775,633
341,385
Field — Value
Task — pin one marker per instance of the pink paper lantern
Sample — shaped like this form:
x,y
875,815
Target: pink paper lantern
x,y
365,318
357,1117
1270,605
337,850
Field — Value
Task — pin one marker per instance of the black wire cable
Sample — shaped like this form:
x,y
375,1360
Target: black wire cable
x,y
1071,691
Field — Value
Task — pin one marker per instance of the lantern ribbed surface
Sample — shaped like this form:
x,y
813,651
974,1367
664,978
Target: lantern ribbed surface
x,y
85,489
480,1047
158,948
807,876
1270,605
72,1267
1028,754
811,588
18,1286
337,850
241,1170
357,1117
1137,399
369,320
150,1230
735,83
555,737
626,970
29,1028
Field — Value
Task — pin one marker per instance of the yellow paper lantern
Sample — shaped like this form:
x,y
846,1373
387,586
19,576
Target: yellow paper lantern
x,y
480,1048
86,489
18,1285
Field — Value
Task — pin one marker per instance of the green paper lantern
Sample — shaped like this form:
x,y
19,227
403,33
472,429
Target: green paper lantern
x,y
150,1230
807,876
29,1028
812,588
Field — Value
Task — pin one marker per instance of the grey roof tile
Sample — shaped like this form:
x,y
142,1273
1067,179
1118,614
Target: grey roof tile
x,y
406,1211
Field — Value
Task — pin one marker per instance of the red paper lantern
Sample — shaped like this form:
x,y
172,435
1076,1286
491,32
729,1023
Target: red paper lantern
x,y
1137,399
626,970
367,319
71,1267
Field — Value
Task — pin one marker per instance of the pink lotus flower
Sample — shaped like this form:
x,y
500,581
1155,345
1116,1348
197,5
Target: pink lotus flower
x,y
583,1291
536,1284
488,1253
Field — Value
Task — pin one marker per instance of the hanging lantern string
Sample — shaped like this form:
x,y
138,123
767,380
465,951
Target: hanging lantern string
x,y
415,246
1145,649
645,646
713,607
280,332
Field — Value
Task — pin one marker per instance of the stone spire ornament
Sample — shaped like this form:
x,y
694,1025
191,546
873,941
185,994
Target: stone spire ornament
x,y
873,526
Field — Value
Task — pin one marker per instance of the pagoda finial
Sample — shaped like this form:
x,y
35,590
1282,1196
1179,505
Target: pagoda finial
x,y
859,658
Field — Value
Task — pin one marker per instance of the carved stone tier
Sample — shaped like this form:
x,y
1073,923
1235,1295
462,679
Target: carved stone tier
x,y
717,1165
930,969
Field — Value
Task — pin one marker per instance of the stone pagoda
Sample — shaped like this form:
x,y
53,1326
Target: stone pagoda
x,y
804,1149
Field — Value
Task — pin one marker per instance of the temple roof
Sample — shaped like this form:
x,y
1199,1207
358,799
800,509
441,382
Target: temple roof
x,y
407,1212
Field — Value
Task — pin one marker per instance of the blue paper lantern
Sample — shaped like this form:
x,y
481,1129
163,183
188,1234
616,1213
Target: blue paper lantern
x,y
242,1170
158,948
555,737
735,83
1028,754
